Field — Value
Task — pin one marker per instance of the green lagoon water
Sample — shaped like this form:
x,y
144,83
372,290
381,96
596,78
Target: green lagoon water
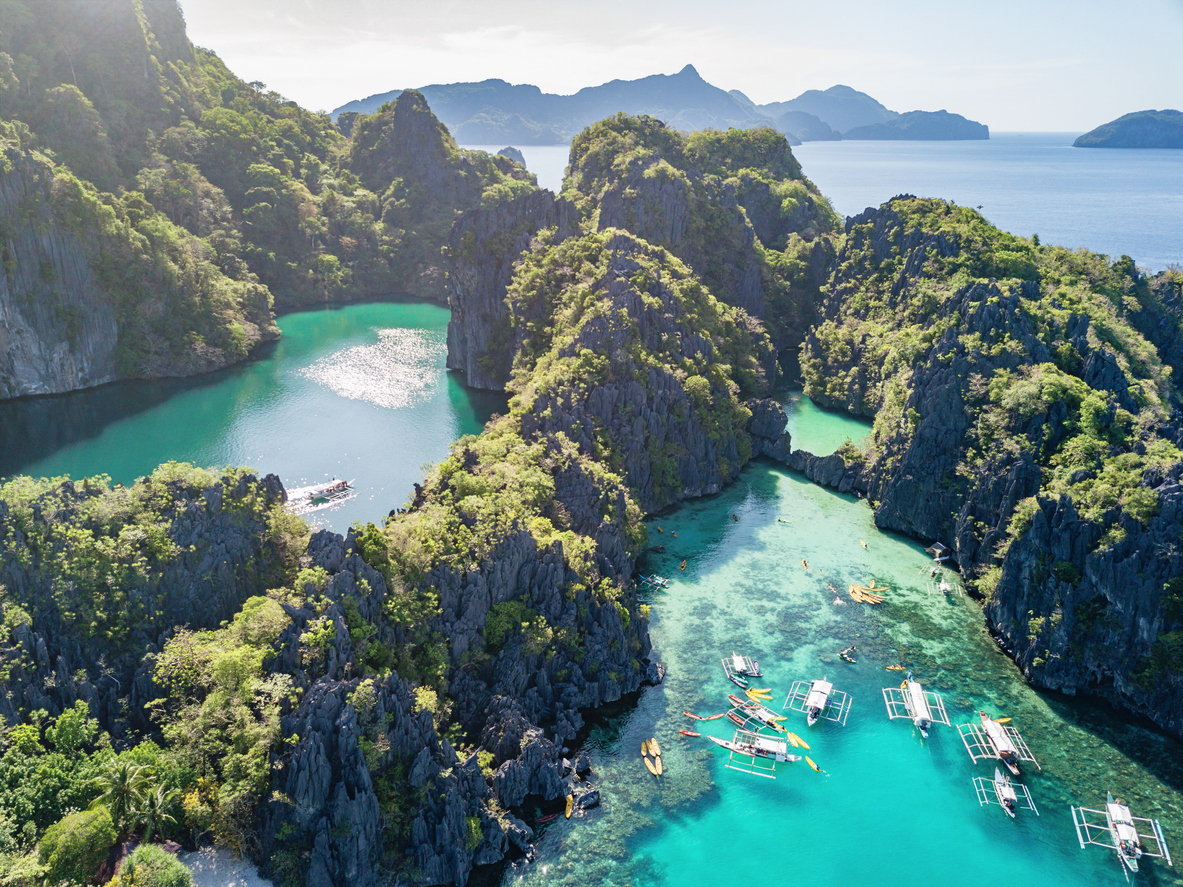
x,y
358,392
893,809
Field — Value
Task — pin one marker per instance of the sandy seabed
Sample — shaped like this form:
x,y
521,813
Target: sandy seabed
x,y
214,867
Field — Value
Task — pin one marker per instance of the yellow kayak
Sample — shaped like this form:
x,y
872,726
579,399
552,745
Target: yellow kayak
x,y
758,697
798,741
650,765
658,766
816,768
570,805
644,747
653,748
793,739
767,690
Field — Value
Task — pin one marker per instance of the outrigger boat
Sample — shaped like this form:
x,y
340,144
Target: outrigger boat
x,y
1009,795
739,668
653,581
818,699
910,700
754,711
755,748
1115,828
302,500
996,740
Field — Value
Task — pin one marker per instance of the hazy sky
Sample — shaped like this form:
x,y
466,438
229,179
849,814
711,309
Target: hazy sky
x,y
1012,64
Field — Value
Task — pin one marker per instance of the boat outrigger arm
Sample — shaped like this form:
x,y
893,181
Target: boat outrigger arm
x,y
739,668
818,699
995,741
922,707
988,792
1113,827
755,754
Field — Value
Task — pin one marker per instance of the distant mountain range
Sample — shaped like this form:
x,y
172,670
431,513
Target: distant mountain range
x,y
1141,129
496,112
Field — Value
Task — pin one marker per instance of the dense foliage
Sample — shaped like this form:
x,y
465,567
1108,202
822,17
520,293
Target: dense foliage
x,y
733,204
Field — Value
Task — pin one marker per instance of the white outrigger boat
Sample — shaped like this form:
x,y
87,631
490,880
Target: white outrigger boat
x,y
1115,828
993,739
653,582
818,699
757,754
739,668
910,700
302,500
1009,795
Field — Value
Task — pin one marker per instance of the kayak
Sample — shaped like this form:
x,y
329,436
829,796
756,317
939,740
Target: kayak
x,y
689,733
658,765
654,749
816,768
897,668
547,818
570,805
798,741
736,719
644,747
652,768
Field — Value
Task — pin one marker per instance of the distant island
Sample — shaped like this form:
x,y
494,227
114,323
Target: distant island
x,y
494,111
1141,129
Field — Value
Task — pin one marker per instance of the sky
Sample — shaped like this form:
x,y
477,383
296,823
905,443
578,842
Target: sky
x,y
1015,65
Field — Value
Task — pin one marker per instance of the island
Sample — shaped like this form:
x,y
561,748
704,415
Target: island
x,y
1141,129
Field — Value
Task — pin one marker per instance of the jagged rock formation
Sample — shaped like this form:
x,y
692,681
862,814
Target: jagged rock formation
x,y
1020,418
84,643
483,249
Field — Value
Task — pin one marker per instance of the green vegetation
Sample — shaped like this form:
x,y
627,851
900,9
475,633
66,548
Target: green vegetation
x,y
73,849
150,866
715,199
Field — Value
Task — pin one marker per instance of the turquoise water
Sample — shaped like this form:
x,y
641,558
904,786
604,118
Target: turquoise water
x,y
893,809
820,431
358,392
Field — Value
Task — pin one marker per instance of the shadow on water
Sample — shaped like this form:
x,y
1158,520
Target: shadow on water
x,y
32,428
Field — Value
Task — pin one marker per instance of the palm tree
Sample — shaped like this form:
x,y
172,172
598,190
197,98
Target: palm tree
x,y
123,786
153,811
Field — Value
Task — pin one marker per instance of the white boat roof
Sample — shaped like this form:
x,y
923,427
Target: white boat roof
x,y
918,701
823,685
998,736
818,697
737,661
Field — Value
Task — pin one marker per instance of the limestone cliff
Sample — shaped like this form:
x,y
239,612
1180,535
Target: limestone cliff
x,y
483,249
1021,417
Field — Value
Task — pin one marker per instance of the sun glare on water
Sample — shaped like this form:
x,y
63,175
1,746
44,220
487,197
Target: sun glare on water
x,y
401,370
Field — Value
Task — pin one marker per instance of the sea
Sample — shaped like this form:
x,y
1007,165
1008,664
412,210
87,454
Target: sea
x,y
1116,202
361,392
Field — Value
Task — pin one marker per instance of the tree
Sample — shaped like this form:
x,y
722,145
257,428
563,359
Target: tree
x,y
73,848
150,866
124,786
153,811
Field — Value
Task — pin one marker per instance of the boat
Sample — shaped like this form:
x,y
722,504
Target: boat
x,y
739,668
735,719
657,766
797,740
847,655
993,738
550,817
815,767
896,667
654,749
1116,828
644,747
1007,751
755,748
737,702
689,733
757,697
912,701
302,500
766,716
653,581
691,714
818,699
570,804
651,766
1005,792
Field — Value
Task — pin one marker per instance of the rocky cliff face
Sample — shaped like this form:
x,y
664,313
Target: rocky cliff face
x,y
57,324
1022,421
484,247
219,554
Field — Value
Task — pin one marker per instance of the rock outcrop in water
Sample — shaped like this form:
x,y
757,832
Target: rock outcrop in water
x,y
1022,418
